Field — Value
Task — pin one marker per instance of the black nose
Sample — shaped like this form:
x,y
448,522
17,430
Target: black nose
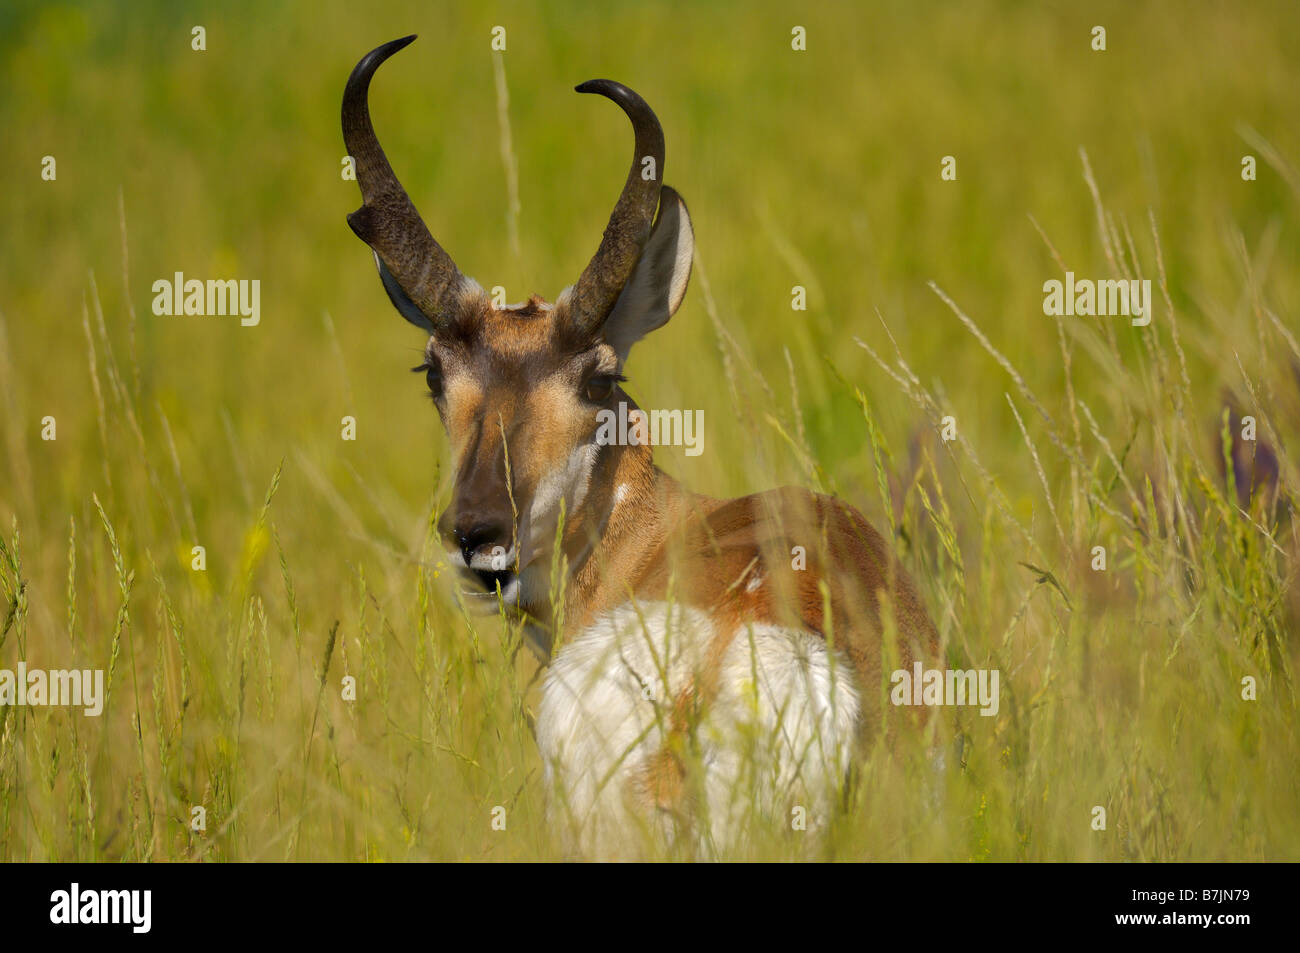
x,y
480,536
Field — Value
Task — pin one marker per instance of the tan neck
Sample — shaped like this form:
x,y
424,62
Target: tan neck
x,y
615,538
630,512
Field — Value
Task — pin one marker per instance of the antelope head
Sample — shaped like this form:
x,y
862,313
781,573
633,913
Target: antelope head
x,y
518,388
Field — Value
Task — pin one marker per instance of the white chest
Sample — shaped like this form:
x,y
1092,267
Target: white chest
x,y
617,706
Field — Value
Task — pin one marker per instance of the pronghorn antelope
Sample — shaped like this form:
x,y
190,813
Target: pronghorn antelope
x,y
709,656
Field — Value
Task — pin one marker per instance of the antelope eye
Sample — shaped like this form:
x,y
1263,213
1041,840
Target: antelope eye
x,y
598,388
433,375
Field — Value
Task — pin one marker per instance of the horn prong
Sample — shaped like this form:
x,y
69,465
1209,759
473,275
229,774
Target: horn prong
x,y
629,225
388,221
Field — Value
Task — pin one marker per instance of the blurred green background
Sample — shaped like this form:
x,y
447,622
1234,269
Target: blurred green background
x,y
817,168
820,168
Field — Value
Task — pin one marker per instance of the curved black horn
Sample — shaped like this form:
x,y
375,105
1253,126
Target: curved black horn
x,y
629,224
388,221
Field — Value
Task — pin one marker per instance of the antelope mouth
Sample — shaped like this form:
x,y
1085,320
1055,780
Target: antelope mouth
x,y
490,579
480,585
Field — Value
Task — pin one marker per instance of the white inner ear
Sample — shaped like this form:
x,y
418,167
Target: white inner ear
x,y
658,283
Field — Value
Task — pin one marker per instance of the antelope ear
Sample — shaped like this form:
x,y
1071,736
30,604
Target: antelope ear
x,y
658,283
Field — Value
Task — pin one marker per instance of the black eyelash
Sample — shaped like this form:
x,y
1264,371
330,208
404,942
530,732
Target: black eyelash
x,y
420,367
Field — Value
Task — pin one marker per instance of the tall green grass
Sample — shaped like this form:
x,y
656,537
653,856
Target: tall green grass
x,y
1120,689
